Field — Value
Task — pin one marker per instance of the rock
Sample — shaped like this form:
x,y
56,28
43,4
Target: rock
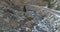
x,y
29,24
33,2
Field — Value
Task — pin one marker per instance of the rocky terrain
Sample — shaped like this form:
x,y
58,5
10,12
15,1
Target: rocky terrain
x,y
28,16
